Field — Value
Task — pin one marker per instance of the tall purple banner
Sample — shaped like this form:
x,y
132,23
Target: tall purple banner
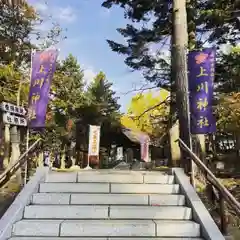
x,y
43,68
201,68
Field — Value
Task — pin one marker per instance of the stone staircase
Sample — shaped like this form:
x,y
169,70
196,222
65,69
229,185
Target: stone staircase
x,y
113,205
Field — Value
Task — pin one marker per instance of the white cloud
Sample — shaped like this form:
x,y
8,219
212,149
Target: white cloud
x,y
89,75
66,14
41,7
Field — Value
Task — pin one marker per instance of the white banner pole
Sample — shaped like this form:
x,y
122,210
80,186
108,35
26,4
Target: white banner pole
x,y
88,166
93,145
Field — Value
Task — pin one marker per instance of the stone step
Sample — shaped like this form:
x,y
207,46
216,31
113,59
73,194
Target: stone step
x,y
109,178
89,238
145,188
75,187
150,212
65,212
106,212
108,199
118,171
106,228
109,188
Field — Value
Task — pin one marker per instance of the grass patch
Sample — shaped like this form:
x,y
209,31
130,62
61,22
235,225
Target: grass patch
x,y
234,222
7,195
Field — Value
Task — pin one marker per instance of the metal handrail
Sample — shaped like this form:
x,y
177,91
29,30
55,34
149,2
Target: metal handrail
x,y
225,195
8,173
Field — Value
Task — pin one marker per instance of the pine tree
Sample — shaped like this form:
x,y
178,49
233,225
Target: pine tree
x,y
152,24
67,96
103,99
67,86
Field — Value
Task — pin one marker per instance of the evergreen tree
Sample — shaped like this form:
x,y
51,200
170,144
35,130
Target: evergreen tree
x,y
228,71
100,108
152,24
16,23
67,85
102,98
67,95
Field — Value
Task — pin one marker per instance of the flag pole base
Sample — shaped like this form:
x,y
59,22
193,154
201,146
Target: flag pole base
x,y
87,168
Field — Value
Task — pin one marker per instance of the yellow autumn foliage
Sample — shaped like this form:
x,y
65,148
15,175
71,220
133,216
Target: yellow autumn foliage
x,y
229,113
147,112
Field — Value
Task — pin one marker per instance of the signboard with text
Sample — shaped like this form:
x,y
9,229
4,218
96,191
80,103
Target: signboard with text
x,y
13,114
14,120
94,140
201,67
119,153
14,109
43,68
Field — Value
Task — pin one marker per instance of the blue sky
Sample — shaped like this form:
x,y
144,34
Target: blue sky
x,y
88,26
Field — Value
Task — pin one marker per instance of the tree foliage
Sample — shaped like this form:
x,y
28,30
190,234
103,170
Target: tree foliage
x,y
228,71
228,85
70,101
150,23
16,26
148,113
100,108
71,105
66,96
103,98
12,85
229,113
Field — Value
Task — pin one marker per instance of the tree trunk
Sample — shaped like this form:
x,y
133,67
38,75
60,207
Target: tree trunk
x,y
173,127
179,51
175,153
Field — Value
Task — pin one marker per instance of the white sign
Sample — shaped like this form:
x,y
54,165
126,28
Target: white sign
x,y
120,153
11,108
14,120
94,140
220,165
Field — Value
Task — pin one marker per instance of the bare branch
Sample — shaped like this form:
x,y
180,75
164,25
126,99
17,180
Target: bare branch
x,y
153,107
141,90
136,88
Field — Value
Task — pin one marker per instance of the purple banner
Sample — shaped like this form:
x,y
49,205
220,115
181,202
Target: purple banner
x,y
201,68
43,68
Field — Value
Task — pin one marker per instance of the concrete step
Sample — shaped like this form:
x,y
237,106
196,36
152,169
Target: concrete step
x,y
106,228
108,199
111,178
145,188
89,238
118,171
75,187
150,212
158,179
106,212
109,188
65,212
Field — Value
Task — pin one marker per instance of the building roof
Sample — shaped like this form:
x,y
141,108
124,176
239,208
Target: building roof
x,y
135,136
